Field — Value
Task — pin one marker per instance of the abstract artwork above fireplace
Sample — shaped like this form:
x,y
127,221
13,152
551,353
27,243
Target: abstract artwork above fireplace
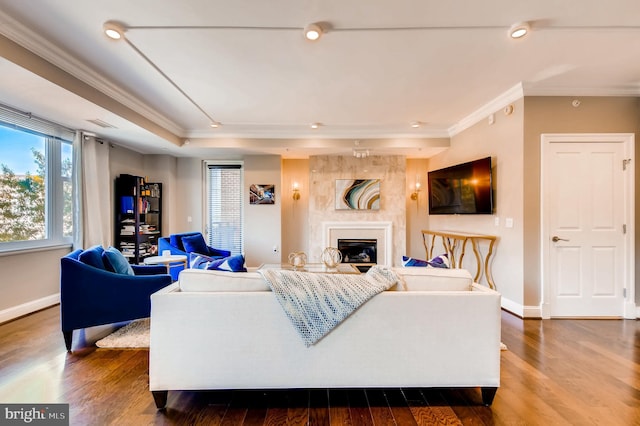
x,y
358,194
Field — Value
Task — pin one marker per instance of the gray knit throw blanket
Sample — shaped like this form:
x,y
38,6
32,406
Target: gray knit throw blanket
x,y
315,303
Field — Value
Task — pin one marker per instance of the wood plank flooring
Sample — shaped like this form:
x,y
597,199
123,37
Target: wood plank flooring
x,y
556,372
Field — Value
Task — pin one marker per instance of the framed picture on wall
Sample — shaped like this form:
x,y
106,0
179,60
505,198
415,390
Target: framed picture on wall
x,y
262,194
358,194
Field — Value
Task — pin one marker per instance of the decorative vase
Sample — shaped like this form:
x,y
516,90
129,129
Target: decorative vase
x,y
331,257
297,259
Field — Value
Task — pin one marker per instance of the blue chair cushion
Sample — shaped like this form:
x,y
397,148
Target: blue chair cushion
x,y
92,257
195,244
230,263
115,261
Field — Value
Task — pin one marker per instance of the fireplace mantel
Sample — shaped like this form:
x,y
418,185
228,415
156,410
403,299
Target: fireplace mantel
x,y
382,231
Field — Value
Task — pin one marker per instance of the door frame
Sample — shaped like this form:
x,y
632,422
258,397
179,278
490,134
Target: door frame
x,y
628,139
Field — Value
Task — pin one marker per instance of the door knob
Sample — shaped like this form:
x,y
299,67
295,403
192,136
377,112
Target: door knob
x,y
555,239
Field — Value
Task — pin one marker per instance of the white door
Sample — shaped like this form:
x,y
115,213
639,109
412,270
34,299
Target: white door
x,y
587,224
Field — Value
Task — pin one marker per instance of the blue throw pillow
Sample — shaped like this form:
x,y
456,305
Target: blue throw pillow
x,y
115,261
441,261
176,239
195,244
230,264
92,257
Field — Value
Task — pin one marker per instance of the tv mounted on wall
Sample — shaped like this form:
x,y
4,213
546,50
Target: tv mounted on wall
x,y
462,189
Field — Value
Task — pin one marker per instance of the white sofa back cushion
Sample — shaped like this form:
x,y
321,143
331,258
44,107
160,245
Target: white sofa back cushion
x,y
434,279
198,280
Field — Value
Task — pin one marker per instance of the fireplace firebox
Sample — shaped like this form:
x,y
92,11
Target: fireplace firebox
x,y
361,252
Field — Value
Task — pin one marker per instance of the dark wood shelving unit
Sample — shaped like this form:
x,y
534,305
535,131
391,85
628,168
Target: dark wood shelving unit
x,y
138,217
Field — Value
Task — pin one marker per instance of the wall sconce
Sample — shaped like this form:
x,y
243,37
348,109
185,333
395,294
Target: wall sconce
x,y
414,194
296,191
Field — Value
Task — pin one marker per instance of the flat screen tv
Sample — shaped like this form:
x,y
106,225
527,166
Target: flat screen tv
x,y
462,189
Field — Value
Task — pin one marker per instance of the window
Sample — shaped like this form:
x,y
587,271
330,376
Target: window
x,y
224,212
36,165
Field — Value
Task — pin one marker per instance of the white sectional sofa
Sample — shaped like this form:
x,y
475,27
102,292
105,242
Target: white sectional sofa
x,y
224,330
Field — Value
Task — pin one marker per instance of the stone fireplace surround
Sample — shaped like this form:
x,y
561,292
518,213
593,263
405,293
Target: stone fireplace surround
x,y
381,231
324,170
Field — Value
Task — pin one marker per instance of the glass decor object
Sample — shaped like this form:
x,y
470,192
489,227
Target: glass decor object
x,y
331,257
297,259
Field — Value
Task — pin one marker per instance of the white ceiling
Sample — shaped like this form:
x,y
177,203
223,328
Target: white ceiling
x,y
379,66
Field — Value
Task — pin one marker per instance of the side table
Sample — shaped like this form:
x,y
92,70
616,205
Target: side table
x,y
168,261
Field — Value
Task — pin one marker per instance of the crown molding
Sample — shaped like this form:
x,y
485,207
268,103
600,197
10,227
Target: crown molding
x,y
511,95
277,131
53,54
530,89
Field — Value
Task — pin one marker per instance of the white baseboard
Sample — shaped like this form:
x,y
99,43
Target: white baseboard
x,y
521,310
29,307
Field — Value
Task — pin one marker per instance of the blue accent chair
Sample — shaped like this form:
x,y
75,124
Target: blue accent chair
x,y
91,294
175,244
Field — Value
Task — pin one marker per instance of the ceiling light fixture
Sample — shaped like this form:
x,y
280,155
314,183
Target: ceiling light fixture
x,y
312,32
215,124
519,30
114,30
416,124
315,125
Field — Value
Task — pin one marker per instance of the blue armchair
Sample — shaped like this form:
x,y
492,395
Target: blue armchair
x,y
185,243
93,293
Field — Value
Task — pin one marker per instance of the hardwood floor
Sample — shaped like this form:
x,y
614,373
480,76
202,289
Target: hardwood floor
x,y
556,372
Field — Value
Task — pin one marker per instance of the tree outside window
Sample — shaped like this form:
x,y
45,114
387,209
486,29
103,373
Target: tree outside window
x,y
34,168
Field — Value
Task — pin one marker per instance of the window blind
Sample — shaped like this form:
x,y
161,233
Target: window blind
x,y
224,187
25,121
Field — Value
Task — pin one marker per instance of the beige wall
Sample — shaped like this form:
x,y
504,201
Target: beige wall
x,y
502,141
30,281
262,222
187,204
557,115
295,214
418,210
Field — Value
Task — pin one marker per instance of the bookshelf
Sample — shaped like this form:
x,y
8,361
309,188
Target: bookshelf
x,y
138,217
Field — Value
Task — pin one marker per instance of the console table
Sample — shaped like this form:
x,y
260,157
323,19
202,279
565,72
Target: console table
x,y
455,242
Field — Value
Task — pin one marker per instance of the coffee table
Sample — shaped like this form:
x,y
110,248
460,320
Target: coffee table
x,y
168,261
342,268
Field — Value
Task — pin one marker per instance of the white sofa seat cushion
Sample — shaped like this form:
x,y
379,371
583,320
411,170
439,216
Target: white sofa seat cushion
x,y
198,280
435,279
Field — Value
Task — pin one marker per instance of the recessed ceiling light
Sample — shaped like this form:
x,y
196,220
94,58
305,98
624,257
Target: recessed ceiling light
x,y
114,30
216,124
416,124
315,125
519,30
312,32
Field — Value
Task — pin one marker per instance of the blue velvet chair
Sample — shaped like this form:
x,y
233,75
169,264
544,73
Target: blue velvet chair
x,y
185,243
92,293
